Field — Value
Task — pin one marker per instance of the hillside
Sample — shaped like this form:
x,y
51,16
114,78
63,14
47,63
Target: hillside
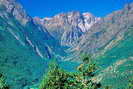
x,y
24,46
116,64
27,44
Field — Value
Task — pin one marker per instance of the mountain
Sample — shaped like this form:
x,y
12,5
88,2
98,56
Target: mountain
x,y
68,27
24,46
110,43
108,29
27,44
35,35
117,62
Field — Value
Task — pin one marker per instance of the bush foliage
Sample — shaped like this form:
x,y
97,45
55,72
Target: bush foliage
x,y
3,84
130,85
57,78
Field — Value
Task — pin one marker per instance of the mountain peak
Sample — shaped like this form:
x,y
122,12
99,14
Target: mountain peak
x,y
16,9
70,25
129,6
87,14
73,18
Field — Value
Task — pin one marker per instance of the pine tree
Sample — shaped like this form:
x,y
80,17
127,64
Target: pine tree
x,y
57,78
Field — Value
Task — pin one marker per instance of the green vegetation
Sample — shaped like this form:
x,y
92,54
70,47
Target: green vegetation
x,y
120,53
57,78
130,85
86,58
3,84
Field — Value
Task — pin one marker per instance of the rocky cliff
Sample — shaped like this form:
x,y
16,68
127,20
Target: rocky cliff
x,y
106,30
68,27
27,44
24,46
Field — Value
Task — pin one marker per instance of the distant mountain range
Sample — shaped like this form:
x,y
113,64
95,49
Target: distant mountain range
x,y
27,43
68,27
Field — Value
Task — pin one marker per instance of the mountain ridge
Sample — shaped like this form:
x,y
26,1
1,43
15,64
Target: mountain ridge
x,y
27,44
106,30
68,27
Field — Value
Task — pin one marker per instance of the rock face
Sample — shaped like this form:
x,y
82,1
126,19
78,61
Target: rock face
x,y
35,35
17,10
24,46
68,27
110,41
106,30
25,42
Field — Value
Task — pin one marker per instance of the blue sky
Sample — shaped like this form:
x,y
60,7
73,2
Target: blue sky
x,y
48,8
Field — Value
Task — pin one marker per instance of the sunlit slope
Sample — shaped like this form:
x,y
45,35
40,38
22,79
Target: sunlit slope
x,y
20,65
116,64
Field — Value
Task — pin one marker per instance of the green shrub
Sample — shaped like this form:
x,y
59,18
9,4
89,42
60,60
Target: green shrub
x,y
86,58
130,85
57,78
3,84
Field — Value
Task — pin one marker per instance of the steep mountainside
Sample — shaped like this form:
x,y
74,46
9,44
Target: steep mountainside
x,y
105,31
116,64
68,27
110,41
24,46
34,35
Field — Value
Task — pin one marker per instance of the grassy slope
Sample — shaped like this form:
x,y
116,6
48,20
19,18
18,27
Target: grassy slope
x,y
18,63
117,63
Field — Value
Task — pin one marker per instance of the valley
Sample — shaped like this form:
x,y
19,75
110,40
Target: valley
x,y
28,44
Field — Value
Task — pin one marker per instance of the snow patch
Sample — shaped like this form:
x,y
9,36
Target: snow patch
x,y
46,18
